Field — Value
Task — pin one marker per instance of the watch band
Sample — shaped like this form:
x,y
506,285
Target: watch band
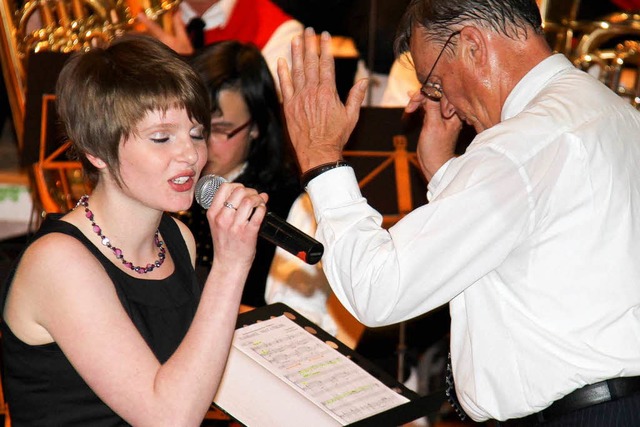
x,y
319,170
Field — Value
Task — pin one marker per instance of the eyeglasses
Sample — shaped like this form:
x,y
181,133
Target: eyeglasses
x,y
434,90
228,134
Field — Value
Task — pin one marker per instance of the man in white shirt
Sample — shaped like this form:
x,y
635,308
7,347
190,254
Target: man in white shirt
x,y
531,236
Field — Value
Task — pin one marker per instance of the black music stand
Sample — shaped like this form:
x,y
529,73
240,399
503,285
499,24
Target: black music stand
x,y
43,69
416,407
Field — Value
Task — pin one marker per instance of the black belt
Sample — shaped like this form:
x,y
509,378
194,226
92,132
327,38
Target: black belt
x,y
589,395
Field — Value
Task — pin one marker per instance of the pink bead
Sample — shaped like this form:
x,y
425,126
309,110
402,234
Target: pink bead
x,y
117,252
96,229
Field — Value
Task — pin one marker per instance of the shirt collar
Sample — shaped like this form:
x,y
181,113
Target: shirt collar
x,y
234,174
532,83
215,17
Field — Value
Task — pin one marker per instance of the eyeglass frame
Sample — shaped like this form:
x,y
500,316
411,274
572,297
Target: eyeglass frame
x,y
233,132
428,89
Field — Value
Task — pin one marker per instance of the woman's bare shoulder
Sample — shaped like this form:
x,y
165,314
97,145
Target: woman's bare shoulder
x,y
53,269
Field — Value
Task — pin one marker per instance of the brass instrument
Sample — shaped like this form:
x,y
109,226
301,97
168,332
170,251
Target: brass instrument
x,y
60,26
608,49
558,21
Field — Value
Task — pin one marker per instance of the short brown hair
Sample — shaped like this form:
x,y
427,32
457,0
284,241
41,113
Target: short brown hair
x,y
103,93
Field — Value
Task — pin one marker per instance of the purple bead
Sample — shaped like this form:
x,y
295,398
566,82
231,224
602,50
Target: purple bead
x,y
84,201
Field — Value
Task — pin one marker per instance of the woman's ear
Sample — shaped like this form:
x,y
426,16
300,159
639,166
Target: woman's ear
x,y
254,132
96,161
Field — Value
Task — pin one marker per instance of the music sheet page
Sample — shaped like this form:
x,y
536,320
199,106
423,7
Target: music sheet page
x,y
325,376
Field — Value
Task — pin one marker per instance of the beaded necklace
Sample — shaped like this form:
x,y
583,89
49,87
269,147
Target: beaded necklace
x,y
84,201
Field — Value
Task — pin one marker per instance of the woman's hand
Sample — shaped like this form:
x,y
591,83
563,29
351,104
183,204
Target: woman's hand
x,y
235,217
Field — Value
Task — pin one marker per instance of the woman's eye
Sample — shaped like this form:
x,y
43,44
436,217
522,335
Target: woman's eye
x,y
197,133
160,138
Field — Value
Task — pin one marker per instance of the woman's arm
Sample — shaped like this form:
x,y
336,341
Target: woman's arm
x,y
75,304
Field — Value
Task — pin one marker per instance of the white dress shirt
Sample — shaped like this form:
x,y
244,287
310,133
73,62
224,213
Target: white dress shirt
x,y
278,46
533,236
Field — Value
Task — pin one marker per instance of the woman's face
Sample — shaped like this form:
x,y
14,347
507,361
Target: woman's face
x,y
162,159
231,134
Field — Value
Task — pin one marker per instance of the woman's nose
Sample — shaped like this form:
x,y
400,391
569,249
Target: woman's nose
x,y
189,151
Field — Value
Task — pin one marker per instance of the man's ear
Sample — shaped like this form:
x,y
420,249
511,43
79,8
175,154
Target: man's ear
x,y
96,161
474,45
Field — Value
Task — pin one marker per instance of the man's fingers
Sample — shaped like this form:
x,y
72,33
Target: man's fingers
x,y
286,86
416,99
355,98
310,56
432,111
327,64
297,62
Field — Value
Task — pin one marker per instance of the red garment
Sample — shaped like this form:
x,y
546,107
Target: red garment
x,y
627,5
251,21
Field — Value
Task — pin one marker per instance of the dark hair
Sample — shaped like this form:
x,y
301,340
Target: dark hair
x,y
103,93
241,67
512,18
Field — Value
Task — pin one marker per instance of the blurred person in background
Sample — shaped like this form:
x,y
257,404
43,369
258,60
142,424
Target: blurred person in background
x,y
199,23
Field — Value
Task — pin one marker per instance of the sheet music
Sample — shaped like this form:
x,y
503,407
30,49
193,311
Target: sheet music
x,y
324,375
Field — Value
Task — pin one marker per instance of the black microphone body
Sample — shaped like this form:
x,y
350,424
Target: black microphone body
x,y
274,229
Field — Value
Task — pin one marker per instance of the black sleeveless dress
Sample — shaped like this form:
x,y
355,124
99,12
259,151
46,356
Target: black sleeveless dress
x,y
41,386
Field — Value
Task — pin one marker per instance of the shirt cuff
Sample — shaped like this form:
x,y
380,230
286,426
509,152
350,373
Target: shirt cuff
x,y
337,187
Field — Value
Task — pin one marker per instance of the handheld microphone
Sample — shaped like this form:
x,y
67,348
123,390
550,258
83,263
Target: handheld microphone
x,y
273,228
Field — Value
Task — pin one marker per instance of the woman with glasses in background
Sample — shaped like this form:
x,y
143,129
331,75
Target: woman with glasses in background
x,y
246,145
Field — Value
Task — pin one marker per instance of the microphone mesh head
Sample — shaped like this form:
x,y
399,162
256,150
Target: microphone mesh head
x,y
207,187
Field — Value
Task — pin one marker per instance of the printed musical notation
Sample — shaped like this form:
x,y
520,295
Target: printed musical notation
x,y
325,376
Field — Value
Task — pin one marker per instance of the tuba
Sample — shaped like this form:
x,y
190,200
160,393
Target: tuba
x,y
559,22
610,51
61,26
